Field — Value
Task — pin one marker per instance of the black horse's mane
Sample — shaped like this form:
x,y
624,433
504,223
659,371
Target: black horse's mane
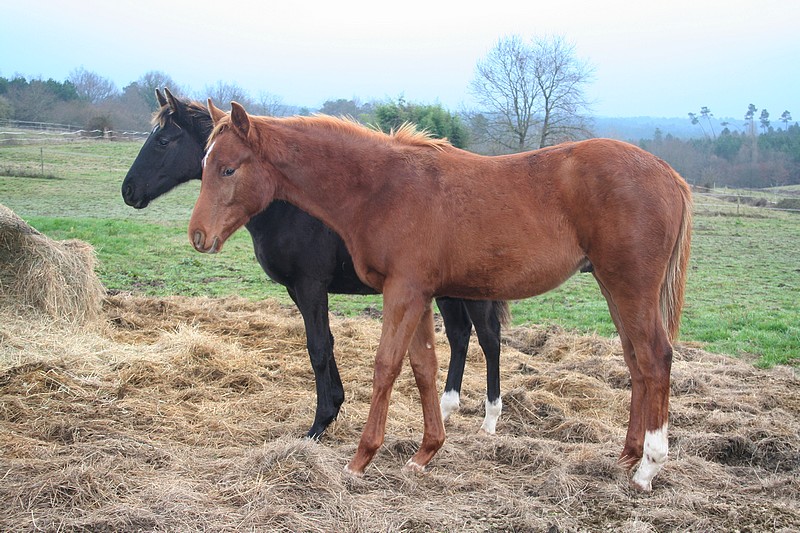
x,y
190,112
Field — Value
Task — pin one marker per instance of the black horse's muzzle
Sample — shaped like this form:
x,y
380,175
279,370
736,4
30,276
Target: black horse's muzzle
x,y
129,195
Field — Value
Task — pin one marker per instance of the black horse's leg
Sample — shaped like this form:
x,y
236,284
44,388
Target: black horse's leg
x,y
311,298
485,317
458,327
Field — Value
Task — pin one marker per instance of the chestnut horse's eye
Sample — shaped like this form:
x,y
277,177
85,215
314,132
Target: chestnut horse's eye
x,y
228,172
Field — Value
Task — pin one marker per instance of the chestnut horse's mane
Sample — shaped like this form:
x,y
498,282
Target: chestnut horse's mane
x,y
407,134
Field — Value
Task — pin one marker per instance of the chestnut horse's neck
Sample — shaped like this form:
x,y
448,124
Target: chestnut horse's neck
x,y
323,159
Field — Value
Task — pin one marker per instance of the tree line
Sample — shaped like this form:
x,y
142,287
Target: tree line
x,y
530,94
753,154
89,101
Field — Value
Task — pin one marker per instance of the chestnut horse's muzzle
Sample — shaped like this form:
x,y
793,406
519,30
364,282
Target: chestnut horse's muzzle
x,y
199,242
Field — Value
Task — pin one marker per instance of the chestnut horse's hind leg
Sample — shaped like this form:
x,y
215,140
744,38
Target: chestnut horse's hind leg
x,y
402,310
422,354
634,440
650,360
654,359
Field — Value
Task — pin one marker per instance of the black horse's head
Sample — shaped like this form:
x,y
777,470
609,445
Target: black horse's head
x,y
173,152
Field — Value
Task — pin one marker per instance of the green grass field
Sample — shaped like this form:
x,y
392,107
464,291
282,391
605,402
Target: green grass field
x,y
742,298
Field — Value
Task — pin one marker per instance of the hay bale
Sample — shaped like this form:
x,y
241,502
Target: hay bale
x,y
56,278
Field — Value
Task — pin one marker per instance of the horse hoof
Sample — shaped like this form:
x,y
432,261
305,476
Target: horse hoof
x,y
489,432
640,487
411,466
353,473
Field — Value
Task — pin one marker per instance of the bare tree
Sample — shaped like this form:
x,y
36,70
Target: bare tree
x,y
505,88
30,101
270,104
531,93
223,93
92,87
561,77
151,80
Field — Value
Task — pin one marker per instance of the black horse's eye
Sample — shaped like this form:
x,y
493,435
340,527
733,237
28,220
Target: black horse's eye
x,y
228,171
163,141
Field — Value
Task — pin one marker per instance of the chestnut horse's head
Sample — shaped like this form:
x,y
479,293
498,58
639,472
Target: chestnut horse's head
x,y
236,184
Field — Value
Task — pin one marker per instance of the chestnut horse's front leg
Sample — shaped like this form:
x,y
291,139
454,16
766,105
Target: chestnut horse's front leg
x,y
422,354
402,310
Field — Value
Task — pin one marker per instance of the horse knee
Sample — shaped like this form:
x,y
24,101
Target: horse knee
x,y
657,367
319,363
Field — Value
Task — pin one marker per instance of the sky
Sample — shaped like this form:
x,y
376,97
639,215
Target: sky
x,y
650,58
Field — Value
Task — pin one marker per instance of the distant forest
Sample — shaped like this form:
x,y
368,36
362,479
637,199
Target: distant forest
x,y
754,152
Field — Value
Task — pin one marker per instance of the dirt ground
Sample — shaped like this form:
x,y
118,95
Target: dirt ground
x,y
182,414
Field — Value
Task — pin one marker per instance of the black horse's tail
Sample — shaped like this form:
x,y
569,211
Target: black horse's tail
x,y
502,311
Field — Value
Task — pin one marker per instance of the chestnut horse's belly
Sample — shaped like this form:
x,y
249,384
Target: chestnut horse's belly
x,y
513,269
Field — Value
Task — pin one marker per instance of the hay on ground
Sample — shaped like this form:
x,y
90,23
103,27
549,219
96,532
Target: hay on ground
x,y
56,278
187,414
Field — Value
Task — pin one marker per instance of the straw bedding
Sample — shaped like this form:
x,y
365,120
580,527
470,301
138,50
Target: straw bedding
x,y
53,277
186,414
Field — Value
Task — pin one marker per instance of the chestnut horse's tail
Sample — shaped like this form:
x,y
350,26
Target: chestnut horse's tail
x,y
675,281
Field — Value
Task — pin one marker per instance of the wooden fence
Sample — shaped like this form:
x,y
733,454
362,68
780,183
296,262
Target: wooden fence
x,y
736,201
25,132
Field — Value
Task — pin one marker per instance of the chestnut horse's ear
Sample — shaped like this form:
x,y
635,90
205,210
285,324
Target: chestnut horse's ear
x,y
239,119
160,98
216,113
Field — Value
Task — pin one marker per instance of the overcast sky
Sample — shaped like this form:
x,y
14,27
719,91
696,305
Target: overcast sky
x,y
659,59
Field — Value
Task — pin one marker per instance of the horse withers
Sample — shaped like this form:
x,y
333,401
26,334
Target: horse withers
x,y
301,253
422,219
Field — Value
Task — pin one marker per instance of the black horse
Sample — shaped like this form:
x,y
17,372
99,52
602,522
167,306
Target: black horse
x,y
310,260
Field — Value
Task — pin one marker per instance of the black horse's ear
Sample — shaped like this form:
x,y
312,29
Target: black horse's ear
x,y
172,101
239,119
160,98
216,113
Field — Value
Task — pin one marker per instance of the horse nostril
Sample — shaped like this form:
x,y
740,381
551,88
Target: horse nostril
x,y
199,238
127,192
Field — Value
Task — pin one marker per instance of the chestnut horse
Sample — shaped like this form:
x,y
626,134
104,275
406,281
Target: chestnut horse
x,y
422,218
